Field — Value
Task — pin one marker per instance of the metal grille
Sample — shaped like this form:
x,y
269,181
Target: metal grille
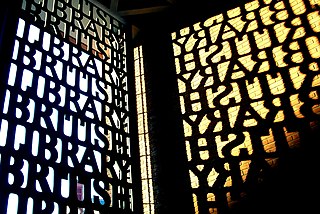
x,y
65,138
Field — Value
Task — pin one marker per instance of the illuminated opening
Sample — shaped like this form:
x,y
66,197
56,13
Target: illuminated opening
x,y
143,132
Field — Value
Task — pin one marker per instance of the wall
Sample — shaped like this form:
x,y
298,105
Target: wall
x,y
248,80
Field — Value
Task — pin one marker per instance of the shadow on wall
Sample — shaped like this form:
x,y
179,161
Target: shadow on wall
x,y
290,187
249,82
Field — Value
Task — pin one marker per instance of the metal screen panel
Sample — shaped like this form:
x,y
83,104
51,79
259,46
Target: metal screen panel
x,y
64,126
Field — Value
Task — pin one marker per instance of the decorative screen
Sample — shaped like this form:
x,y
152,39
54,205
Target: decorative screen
x,y
64,124
249,87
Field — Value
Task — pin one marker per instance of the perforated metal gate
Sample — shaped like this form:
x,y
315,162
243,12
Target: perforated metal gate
x,y
64,120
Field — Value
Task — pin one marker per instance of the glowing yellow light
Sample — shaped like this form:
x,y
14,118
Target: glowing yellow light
x,y
263,49
144,148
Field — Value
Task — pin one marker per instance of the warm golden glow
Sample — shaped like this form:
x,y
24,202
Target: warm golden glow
x,y
252,66
143,133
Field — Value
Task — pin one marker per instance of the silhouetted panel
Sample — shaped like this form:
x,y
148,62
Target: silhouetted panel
x,y
64,124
